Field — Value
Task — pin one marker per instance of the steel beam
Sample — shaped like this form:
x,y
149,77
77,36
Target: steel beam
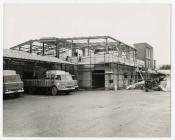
x,y
43,49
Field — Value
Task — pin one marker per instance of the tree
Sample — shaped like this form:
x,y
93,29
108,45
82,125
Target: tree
x,y
165,67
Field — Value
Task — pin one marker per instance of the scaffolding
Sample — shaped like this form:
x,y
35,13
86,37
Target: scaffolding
x,y
91,56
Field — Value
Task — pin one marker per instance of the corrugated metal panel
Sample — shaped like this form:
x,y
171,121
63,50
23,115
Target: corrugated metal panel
x,y
38,82
25,55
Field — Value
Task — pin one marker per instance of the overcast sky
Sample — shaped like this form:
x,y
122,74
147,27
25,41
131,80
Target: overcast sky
x,y
129,23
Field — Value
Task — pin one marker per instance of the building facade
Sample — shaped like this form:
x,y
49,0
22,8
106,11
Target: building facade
x,y
96,62
145,53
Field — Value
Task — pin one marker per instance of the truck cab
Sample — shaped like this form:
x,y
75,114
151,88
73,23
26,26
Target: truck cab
x,y
12,83
61,79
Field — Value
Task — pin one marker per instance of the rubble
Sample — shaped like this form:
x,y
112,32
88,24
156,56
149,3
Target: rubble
x,y
159,82
136,85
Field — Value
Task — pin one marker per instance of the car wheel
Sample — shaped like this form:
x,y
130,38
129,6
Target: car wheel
x,y
54,91
17,95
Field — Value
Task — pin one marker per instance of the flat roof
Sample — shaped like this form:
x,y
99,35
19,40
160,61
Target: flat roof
x,y
143,43
28,56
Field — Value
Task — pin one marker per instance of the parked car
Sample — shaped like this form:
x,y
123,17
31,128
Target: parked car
x,y
12,83
55,82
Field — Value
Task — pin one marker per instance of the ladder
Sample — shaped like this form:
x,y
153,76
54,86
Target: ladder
x,y
139,72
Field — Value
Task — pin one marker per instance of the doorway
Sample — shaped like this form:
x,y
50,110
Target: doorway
x,y
27,75
98,79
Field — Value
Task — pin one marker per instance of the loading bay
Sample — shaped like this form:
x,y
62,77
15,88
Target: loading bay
x,y
124,113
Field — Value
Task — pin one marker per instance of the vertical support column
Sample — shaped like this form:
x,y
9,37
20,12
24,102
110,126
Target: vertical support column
x,y
106,44
120,49
127,73
88,47
73,48
57,49
106,49
128,51
43,49
89,54
129,55
107,66
134,55
119,52
117,77
83,50
125,53
61,66
30,47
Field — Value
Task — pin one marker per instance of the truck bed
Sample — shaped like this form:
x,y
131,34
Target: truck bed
x,y
38,83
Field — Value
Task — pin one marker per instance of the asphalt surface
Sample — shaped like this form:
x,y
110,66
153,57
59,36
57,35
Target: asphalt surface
x,y
132,113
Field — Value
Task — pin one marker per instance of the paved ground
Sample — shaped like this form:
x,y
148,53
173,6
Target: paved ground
x,y
89,113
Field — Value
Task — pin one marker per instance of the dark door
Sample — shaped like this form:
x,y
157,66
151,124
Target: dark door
x,y
98,79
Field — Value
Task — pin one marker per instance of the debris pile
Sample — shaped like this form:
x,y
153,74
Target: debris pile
x,y
160,81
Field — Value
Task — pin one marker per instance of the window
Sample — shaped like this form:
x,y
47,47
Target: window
x,y
52,76
10,78
125,75
58,77
66,77
148,53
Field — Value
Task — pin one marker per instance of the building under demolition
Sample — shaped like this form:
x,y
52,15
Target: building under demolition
x,y
96,62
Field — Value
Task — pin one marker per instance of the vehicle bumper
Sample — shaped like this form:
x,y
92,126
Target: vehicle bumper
x,y
76,87
66,90
16,91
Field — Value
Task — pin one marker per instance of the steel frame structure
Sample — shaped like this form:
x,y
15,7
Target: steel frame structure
x,y
56,46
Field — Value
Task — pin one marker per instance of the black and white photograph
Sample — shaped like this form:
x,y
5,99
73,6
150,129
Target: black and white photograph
x,y
86,70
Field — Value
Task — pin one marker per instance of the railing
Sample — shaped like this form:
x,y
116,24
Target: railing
x,y
100,58
140,63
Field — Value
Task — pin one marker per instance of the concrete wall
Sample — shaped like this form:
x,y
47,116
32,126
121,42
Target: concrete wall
x,y
141,51
116,75
108,77
84,76
121,75
86,80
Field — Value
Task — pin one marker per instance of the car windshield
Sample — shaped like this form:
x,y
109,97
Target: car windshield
x,y
12,78
58,77
66,77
